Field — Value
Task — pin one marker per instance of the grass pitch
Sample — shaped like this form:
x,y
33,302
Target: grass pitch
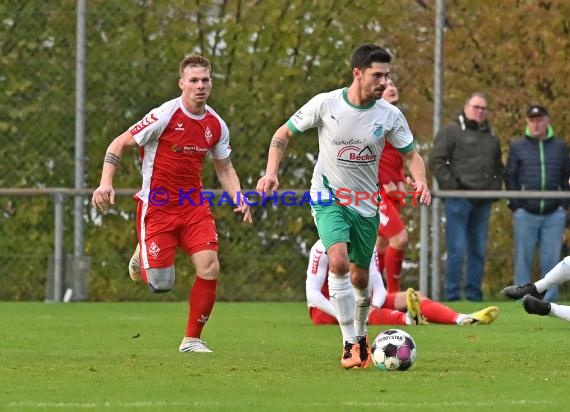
x,y
268,357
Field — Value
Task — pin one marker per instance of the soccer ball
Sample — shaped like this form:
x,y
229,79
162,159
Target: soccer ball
x,y
393,350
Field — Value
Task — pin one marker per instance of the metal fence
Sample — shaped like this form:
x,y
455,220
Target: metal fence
x,y
67,277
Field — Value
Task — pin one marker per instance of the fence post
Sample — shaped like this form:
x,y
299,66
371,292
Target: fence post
x,y
424,248
58,248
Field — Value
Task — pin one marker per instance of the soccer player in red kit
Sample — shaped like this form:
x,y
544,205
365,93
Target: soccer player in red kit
x,y
174,140
392,238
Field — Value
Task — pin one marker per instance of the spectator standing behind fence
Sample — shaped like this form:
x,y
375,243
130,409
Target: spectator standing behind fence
x,y
538,161
467,156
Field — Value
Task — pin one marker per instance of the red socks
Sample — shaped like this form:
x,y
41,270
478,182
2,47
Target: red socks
x,y
393,263
436,312
201,299
385,316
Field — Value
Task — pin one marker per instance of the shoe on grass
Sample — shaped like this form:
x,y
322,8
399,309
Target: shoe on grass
x,y
413,305
350,356
365,353
518,291
484,316
535,306
193,345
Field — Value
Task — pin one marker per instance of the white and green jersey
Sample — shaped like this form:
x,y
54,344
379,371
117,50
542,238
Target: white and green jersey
x,y
351,139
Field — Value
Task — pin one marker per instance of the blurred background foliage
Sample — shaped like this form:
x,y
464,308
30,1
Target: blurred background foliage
x,y
269,57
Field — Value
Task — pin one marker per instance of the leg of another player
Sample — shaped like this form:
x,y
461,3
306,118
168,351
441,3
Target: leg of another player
x,y
201,299
381,246
394,257
556,276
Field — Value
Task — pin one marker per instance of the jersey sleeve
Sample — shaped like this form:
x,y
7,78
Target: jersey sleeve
x,y
308,116
153,124
399,133
222,149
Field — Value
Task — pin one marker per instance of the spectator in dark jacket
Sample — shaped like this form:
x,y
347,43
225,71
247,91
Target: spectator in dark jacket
x,y
467,156
538,161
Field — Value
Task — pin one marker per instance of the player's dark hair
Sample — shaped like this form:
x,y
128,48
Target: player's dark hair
x,y
367,54
194,60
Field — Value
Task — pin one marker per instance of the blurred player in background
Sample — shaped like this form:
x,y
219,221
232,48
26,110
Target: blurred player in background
x,y
392,238
396,308
173,140
353,124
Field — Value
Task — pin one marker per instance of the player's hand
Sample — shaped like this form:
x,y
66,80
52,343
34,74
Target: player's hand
x,y
103,196
243,208
422,189
267,184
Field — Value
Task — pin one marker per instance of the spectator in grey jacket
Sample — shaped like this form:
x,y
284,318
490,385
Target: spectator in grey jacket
x,y
538,161
467,156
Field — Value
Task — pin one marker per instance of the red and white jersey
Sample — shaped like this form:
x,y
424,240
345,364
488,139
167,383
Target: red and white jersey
x,y
391,168
174,143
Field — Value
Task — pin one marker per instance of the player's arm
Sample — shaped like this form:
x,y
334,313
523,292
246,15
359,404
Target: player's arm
x,y
277,148
104,195
231,185
417,169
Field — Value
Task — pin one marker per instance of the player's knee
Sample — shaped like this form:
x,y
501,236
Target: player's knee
x,y
160,280
338,264
400,240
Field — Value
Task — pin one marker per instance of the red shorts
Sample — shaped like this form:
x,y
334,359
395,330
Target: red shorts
x,y
390,221
161,231
321,318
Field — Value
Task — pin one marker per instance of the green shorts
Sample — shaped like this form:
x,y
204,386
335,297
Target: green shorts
x,y
337,224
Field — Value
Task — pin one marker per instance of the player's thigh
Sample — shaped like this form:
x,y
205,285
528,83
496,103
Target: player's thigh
x,y
363,231
332,223
198,231
392,224
157,236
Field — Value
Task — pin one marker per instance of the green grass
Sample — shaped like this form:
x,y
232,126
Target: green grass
x,y
268,357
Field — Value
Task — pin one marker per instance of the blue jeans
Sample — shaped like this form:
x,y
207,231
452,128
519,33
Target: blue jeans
x,y
545,230
466,232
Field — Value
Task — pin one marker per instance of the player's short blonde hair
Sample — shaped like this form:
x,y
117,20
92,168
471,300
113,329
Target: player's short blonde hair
x,y
194,60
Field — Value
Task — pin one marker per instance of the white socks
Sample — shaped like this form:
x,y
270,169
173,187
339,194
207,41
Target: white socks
x,y
362,301
342,298
556,276
560,311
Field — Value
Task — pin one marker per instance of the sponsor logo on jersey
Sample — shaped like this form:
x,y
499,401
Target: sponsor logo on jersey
x,y
179,127
154,250
378,130
208,135
188,148
299,115
147,121
353,154
346,142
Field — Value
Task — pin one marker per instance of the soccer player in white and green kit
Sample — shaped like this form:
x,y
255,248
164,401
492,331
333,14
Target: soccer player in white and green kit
x,y
353,124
